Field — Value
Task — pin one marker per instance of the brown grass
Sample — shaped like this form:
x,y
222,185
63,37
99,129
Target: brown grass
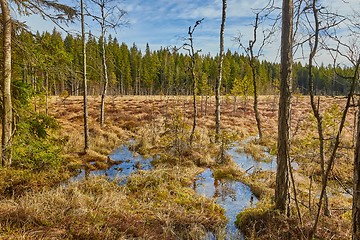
x,y
159,204
154,205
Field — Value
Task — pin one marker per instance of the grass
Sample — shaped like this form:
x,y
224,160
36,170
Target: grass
x,y
159,204
154,205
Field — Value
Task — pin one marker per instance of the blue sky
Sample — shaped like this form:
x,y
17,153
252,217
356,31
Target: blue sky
x,y
166,22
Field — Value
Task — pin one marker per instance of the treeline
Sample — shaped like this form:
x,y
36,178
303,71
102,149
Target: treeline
x,y
49,61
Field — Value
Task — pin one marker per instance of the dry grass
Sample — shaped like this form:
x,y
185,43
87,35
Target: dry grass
x,y
158,204
154,205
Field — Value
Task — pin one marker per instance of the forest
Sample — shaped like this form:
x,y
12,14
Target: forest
x,y
160,72
104,140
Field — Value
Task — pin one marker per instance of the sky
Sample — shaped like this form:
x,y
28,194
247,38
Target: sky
x,y
165,23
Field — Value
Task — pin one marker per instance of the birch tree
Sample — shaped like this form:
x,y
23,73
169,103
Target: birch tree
x,y
83,38
110,17
220,69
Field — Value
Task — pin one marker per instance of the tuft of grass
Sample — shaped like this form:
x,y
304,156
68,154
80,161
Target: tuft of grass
x,y
16,182
255,150
254,215
228,171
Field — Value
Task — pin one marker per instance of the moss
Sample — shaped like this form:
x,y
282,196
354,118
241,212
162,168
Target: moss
x,y
228,172
16,182
253,214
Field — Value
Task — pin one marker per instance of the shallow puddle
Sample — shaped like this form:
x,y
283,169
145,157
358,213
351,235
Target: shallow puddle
x,y
249,164
233,196
127,162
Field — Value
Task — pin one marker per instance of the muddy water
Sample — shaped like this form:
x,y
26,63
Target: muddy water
x,y
127,162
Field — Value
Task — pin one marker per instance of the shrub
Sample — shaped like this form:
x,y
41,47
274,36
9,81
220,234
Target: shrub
x,y
33,147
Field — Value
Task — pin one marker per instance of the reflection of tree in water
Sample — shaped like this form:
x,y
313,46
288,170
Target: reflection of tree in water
x,y
224,189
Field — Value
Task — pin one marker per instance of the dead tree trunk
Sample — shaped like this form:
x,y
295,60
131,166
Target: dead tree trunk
x,y
254,75
219,78
86,128
190,48
104,65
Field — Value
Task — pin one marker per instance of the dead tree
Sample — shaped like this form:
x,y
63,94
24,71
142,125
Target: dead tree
x,y
189,46
219,78
260,17
83,38
110,17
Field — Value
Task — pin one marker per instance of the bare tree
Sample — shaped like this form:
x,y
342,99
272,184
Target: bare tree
x,y
219,78
189,46
314,106
86,127
260,17
111,17
318,22
282,176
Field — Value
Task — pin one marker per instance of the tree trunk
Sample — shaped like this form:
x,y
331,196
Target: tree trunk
x,y
104,66
47,93
315,106
282,178
193,75
194,95
219,78
356,189
86,128
256,111
7,114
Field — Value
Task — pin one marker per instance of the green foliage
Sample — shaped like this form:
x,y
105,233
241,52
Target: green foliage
x,y
33,148
21,93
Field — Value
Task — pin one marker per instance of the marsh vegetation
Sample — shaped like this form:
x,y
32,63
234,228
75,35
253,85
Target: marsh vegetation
x,y
176,195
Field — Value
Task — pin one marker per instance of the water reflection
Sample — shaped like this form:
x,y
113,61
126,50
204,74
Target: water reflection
x,y
250,165
231,195
126,163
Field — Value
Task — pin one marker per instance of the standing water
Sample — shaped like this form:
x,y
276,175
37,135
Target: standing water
x,y
233,196
250,165
127,162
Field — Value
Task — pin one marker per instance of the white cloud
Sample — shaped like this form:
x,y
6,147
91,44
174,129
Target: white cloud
x,y
165,22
